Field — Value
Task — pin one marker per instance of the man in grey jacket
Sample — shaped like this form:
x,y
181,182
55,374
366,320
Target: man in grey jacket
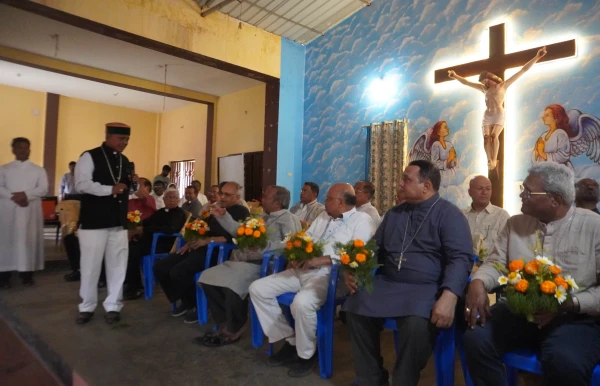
x,y
226,285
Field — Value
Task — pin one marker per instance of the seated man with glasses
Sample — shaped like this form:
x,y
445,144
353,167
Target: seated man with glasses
x,y
176,272
568,342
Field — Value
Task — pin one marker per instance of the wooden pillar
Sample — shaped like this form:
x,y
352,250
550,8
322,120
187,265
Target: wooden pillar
x,y
210,127
271,129
50,140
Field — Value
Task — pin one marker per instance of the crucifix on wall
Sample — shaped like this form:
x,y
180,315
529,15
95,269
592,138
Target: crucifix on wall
x,y
490,71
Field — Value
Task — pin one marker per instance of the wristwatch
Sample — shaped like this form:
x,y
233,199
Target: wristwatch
x,y
576,305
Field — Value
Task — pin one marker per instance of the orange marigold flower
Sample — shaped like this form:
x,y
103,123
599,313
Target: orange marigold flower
x,y
261,221
262,229
358,243
248,232
360,257
531,267
288,246
345,259
515,265
301,234
240,231
202,231
555,269
309,249
559,280
522,285
548,287
297,243
256,234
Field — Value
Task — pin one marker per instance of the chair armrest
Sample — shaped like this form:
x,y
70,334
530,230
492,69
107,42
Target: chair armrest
x,y
224,252
264,267
279,264
156,236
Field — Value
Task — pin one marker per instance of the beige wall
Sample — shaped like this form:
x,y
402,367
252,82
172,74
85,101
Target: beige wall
x,y
81,127
22,114
240,125
183,137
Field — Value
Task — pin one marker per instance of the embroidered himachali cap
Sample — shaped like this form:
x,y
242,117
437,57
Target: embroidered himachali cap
x,y
118,128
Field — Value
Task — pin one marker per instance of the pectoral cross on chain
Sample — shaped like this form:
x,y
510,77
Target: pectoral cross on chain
x,y
400,260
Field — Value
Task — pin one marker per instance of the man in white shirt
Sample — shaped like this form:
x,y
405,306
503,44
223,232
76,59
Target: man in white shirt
x,y
22,185
364,194
485,220
340,222
67,182
158,191
308,208
201,197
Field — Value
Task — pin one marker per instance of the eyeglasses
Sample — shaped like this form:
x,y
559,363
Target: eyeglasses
x,y
528,193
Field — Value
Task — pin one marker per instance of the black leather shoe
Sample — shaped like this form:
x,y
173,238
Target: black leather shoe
x,y
84,317
112,317
5,285
302,367
101,284
28,282
285,356
73,276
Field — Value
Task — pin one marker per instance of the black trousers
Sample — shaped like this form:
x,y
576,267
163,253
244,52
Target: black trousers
x,y
176,273
226,306
569,347
416,341
137,251
71,244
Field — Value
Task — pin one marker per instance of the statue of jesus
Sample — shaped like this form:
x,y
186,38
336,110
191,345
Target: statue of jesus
x,y
494,89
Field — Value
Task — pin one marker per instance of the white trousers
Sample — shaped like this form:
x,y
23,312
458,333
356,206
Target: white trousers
x,y
311,287
112,245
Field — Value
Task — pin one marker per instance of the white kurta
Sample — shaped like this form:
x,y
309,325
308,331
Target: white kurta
x,y
22,229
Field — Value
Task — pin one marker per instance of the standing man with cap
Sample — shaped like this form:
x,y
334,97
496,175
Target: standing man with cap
x,y
103,177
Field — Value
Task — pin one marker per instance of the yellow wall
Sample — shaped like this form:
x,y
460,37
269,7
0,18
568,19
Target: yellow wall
x,y
81,127
240,125
178,23
22,114
183,137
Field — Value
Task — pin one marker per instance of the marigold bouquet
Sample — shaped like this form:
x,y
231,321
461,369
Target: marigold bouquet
x,y
251,234
299,247
195,229
359,259
134,219
535,286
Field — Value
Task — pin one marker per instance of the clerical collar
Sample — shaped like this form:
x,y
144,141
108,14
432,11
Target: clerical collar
x,y
425,204
345,215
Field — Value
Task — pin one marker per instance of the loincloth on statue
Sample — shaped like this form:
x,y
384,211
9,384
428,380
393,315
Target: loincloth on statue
x,y
490,119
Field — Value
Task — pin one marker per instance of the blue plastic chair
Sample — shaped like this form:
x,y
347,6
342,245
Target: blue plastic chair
x,y
149,260
527,360
201,301
325,318
255,328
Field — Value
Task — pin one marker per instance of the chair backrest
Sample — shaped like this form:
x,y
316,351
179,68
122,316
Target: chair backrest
x,y
49,207
68,211
176,242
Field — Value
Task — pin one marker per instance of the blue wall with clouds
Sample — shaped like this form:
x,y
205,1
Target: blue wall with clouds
x,y
399,43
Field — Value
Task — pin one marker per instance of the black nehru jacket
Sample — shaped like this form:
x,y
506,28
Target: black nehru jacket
x,y
100,212
238,213
167,221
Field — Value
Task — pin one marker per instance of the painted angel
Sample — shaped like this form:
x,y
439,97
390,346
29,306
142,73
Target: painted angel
x,y
433,146
570,134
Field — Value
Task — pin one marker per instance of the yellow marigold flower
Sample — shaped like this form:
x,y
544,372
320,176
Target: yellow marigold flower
x,y
571,282
358,243
522,285
354,264
345,259
514,277
360,257
137,219
515,265
548,287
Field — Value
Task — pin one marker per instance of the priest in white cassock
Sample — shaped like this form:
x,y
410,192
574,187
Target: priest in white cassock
x,y
103,176
22,185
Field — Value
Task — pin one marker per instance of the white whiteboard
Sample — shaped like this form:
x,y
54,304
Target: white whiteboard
x,y
231,168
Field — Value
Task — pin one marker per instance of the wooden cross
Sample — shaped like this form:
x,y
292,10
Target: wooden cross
x,y
497,63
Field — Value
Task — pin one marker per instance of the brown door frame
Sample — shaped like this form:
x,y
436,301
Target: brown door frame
x,y
271,94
